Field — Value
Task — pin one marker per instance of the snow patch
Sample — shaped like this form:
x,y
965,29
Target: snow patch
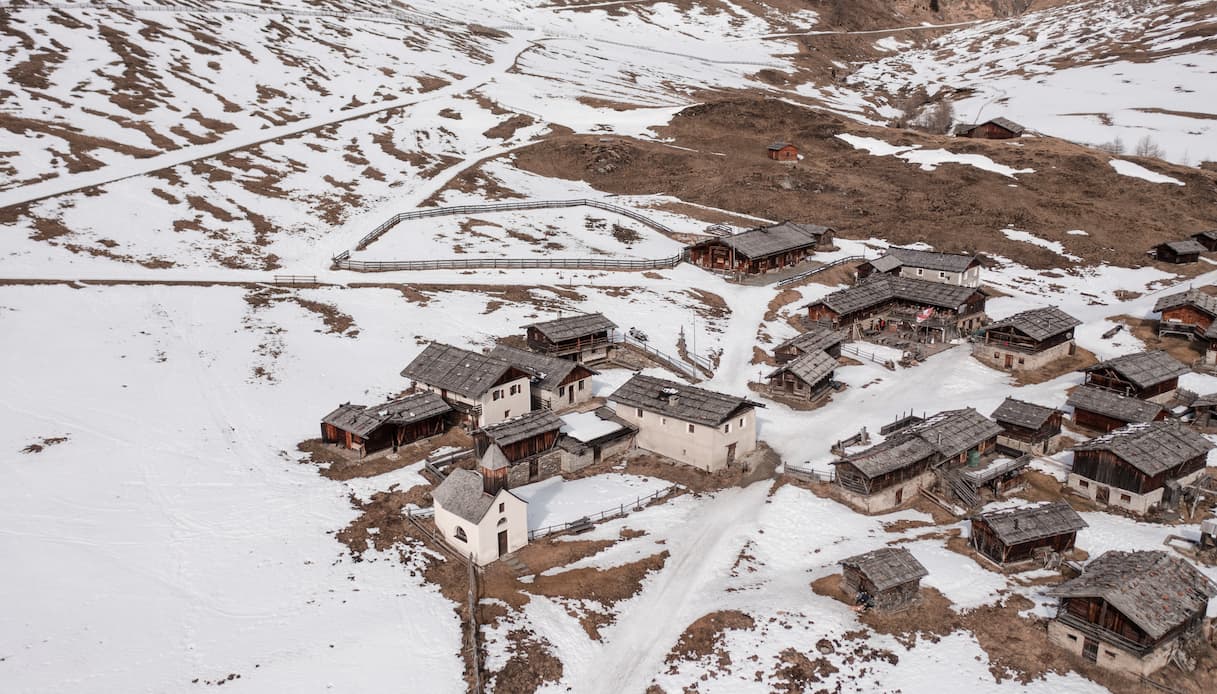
x,y
1127,168
928,159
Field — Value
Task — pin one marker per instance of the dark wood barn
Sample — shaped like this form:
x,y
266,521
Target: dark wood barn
x,y
1140,459
761,250
817,339
1189,313
1014,535
1102,410
1208,239
1026,427
1179,252
1136,602
927,309
995,129
808,377
368,429
783,151
586,337
1020,340
515,442
887,579
1143,375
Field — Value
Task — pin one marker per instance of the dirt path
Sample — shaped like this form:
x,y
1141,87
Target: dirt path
x,y
702,553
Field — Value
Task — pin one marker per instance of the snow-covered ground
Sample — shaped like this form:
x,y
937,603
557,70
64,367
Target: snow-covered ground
x,y
554,501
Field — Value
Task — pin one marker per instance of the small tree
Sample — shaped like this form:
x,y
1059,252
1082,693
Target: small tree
x,y
939,117
1116,146
1146,147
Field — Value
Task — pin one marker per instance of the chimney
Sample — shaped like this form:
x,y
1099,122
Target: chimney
x,y
1016,524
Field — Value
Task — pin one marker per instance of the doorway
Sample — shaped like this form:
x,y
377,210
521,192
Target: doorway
x,y
570,394
1009,361
731,453
502,542
1102,495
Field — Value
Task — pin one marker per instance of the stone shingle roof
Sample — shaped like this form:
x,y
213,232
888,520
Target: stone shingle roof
x,y
1152,447
817,338
1144,369
1114,405
1192,297
362,420
946,434
887,567
681,401
451,368
763,242
879,289
1184,246
929,260
1021,413
547,372
1039,324
572,327
522,427
461,493
1030,523
811,367
1156,590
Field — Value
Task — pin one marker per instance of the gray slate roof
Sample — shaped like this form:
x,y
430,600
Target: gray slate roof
x,y
1114,405
1039,324
818,338
930,260
887,567
681,401
547,372
879,289
778,145
461,493
762,242
1192,297
572,327
1021,413
451,368
810,367
946,434
1144,369
1184,246
1207,234
1029,523
1156,590
362,420
522,427
1152,447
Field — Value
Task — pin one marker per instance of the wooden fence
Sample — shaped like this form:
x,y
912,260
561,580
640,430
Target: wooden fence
x,y
294,280
672,362
619,510
810,473
870,356
817,270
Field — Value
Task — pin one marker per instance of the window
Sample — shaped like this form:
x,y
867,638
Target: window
x,y
515,389
727,428
690,428
1083,484
506,414
581,383
1110,654
1072,637
1021,360
561,391
502,521
496,395
502,506
663,421
1126,498
638,411
918,272
460,534
942,275
996,355
741,422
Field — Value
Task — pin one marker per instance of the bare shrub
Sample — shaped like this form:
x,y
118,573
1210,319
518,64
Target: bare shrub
x,y
1146,147
1116,146
938,118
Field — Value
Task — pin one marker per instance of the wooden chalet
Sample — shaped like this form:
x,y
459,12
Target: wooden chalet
x,y
556,383
761,250
930,311
1026,427
888,474
1179,252
1102,410
808,377
584,338
944,268
1028,340
1208,239
368,429
511,451
1016,535
1139,466
886,579
818,339
1128,611
1145,375
783,151
993,129
1189,313
483,389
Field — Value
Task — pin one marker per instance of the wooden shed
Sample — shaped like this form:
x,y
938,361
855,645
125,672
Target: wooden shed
x,y
931,311
783,151
993,129
1208,239
510,450
807,378
1188,313
1130,467
1179,252
585,338
817,339
1028,340
887,579
1026,427
1146,375
368,429
1102,410
761,250
1014,535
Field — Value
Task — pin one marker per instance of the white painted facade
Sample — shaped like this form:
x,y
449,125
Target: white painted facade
x,y
708,448
1108,656
501,402
1122,498
967,278
508,514
567,396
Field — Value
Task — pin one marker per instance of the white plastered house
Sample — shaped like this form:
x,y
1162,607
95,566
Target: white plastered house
x,y
477,524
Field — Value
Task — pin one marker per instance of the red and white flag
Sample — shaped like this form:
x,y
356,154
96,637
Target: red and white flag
x,y
925,315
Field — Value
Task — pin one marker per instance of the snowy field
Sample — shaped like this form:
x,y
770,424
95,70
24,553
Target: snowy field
x,y
554,501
